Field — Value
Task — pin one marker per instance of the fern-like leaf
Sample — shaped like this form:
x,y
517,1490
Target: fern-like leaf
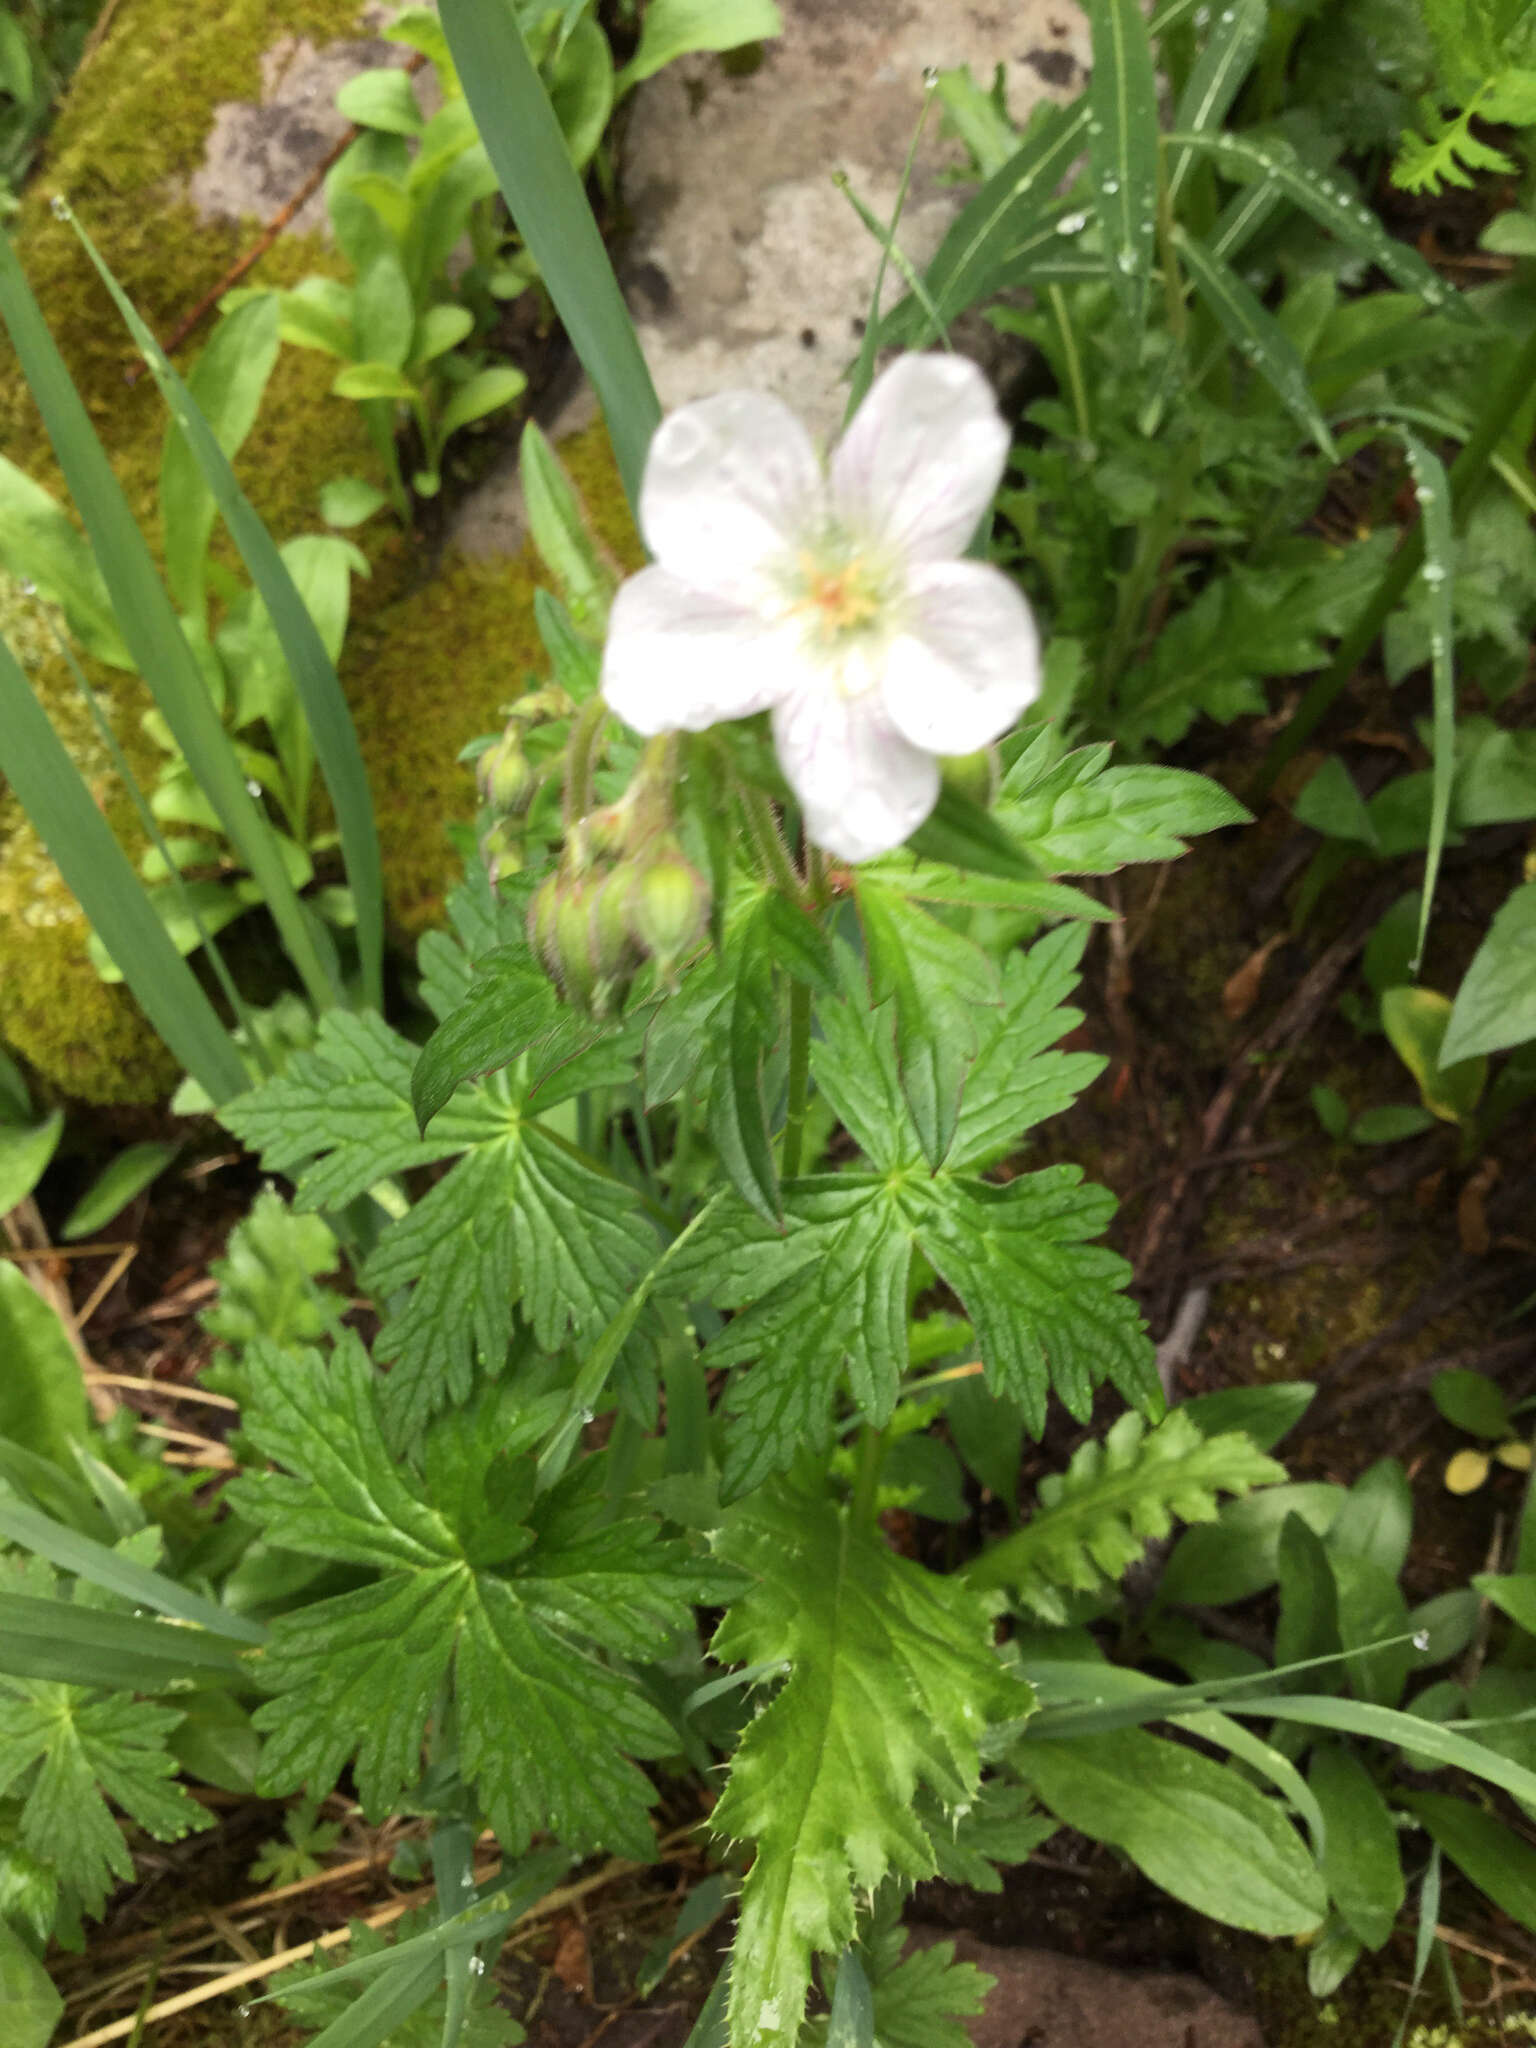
x,y
1095,1519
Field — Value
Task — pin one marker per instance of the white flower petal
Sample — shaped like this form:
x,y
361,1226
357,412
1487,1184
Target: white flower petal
x,y
680,660
968,662
862,788
923,457
731,485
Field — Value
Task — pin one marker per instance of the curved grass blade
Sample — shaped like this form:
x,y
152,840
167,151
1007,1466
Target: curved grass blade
x,y
990,242
999,225
1331,207
1122,148
1431,487
70,1645
527,150
1217,78
331,730
54,796
94,1562
1257,336
148,623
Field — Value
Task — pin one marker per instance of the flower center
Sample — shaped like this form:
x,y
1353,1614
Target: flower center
x,y
839,596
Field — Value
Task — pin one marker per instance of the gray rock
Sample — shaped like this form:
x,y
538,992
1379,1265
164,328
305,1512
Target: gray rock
x,y
258,156
748,266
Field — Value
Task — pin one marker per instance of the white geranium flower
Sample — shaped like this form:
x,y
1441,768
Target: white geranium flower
x,y
832,597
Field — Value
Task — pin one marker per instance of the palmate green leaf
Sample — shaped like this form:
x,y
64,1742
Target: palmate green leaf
x,y
939,983
521,1218
64,1753
875,1648
1094,1521
510,1004
1084,817
821,1294
518,1604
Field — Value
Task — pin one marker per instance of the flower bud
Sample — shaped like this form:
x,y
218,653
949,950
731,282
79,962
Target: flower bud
x,y
541,926
670,909
502,851
506,781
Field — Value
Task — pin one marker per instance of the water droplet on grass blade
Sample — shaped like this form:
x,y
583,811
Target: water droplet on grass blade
x,y
1421,1639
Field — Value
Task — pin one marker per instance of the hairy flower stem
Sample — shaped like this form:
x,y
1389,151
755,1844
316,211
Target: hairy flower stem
x,y
581,760
1467,474
773,856
799,1077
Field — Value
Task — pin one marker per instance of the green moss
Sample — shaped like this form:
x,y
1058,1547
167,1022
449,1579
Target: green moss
x,y
427,667
438,668
89,1041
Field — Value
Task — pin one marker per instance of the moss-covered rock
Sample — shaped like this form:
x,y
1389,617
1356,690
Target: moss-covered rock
x,y
429,662
439,667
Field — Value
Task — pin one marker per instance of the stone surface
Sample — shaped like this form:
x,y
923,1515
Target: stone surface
x,y
1044,2000
259,154
746,265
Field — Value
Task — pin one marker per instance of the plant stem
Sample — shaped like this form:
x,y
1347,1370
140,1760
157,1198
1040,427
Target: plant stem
x,y
1071,362
772,853
799,1077
581,759
866,1480
1467,474
1152,545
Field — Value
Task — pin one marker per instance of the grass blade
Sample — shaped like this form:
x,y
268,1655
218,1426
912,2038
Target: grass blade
x,y
1122,147
1217,78
94,1562
1015,210
148,623
325,708
1431,487
527,150
1331,207
1257,336
70,1645
53,793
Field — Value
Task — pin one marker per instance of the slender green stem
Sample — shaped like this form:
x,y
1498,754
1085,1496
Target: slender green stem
x,y
799,1077
866,1478
1152,545
581,759
773,855
1072,362
1467,475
